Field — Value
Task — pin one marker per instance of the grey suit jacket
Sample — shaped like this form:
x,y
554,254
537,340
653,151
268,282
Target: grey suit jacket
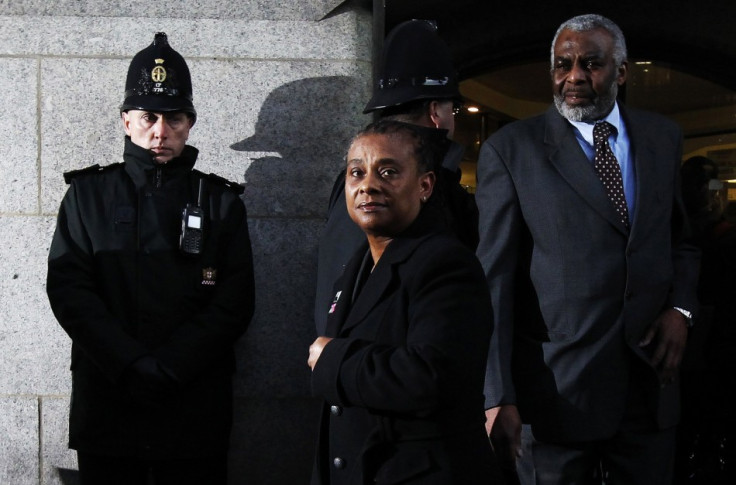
x,y
573,290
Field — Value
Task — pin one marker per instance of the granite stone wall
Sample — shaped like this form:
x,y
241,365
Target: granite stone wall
x,y
279,88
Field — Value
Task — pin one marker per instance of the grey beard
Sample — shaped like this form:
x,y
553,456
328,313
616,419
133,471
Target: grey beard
x,y
601,106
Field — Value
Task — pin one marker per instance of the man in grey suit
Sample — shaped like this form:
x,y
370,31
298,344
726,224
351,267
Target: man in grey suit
x,y
591,277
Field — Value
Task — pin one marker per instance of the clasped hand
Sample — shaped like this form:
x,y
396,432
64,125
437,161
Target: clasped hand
x,y
315,350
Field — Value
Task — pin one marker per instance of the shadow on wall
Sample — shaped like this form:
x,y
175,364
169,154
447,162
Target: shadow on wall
x,y
301,136
68,477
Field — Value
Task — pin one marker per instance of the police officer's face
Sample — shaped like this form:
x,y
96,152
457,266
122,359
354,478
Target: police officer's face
x,y
163,134
443,116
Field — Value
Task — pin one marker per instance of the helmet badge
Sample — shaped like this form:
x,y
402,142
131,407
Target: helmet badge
x,y
158,75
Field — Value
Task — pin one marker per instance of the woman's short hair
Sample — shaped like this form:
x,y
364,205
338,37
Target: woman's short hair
x,y
427,149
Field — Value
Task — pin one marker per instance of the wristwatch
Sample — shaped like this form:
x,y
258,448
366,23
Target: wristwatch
x,y
688,316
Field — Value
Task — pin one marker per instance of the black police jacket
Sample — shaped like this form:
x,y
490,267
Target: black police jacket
x,y
124,292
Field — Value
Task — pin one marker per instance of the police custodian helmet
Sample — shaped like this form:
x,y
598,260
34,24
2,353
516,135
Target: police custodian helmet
x,y
158,80
415,64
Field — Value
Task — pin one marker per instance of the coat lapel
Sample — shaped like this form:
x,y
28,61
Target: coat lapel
x,y
370,295
565,154
377,286
346,311
344,289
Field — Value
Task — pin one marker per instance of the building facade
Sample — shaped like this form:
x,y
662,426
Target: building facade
x,y
279,88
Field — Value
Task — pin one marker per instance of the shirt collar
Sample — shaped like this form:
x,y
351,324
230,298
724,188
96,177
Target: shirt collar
x,y
585,128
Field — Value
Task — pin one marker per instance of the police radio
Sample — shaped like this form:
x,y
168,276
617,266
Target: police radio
x,y
191,238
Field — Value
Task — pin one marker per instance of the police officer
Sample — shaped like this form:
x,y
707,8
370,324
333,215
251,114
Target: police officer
x,y
417,84
150,274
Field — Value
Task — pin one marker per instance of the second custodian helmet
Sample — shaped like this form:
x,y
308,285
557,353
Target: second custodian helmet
x,y
415,64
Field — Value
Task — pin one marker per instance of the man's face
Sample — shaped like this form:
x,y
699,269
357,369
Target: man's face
x,y
163,134
585,77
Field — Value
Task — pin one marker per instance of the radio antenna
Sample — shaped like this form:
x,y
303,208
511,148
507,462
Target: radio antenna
x,y
199,193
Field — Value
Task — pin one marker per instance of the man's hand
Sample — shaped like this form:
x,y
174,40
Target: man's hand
x,y
315,350
668,333
503,425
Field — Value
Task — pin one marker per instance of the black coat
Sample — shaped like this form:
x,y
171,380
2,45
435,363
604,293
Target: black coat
x,y
403,377
122,290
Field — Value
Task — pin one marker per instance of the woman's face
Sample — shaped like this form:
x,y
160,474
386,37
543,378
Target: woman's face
x,y
384,189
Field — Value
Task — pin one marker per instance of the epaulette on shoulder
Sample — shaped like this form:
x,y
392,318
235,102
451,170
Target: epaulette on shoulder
x,y
96,168
216,179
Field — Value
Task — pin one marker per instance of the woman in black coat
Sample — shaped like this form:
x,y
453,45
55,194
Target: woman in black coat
x,y
402,364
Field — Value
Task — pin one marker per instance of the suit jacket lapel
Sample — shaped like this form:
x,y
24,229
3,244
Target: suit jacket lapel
x,y
643,156
565,154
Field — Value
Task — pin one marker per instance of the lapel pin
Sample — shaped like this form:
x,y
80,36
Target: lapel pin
x,y
334,302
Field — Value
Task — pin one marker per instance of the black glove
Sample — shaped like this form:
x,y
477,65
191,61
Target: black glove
x,y
150,383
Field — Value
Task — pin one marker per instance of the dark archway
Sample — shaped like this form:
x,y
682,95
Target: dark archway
x,y
681,55
695,37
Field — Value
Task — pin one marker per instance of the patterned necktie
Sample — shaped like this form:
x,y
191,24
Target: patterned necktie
x,y
608,170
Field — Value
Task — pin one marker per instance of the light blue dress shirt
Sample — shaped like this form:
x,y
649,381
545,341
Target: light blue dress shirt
x,y
621,147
